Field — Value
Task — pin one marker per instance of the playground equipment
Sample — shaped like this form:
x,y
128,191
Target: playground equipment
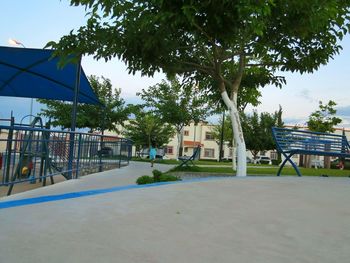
x,y
32,153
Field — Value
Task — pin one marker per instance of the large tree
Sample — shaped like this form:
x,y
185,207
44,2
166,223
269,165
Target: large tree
x,y
95,117
176,104
220,40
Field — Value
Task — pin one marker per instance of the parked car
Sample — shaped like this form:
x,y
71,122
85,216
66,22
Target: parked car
x,y
229,159
262,160
105,152
317,163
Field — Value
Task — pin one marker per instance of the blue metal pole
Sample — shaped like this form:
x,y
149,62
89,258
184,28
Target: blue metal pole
x,y
78,159
74,119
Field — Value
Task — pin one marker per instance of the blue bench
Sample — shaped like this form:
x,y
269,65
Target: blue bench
x,y
291,141
185,160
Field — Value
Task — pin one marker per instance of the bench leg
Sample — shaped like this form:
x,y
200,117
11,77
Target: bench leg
x,y
287,158
184,163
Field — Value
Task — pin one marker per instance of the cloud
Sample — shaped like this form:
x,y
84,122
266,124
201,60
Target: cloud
x,y
295,121
343,111
305,94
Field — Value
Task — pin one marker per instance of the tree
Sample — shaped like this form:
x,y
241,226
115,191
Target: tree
x,y
324,120
221,40
279,124
147,128
257,130
227,131
94,117
175,104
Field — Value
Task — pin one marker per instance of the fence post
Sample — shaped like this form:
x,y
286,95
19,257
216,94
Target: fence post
x,y
78,158
9,150
120,151
100,169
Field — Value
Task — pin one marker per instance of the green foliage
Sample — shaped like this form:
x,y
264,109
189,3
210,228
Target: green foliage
x,y
257,130
177,104
207,37
95,117
158,176
168,178
323,120
145,179
227,131
147,128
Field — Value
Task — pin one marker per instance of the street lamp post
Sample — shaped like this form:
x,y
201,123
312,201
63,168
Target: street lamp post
x,y
14,42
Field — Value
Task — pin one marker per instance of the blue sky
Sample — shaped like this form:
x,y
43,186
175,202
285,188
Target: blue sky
x,y
36,22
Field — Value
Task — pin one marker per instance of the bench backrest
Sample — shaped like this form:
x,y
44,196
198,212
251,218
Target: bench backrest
x,y
289,140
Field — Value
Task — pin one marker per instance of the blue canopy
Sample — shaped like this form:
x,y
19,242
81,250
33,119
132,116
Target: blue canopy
x,y
33,73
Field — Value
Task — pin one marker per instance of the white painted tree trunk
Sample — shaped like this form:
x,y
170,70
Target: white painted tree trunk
x,y
237,134
234,154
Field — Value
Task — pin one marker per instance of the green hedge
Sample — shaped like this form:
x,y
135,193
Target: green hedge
x,y
158,176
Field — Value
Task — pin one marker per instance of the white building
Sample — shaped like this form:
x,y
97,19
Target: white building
x,y
194,135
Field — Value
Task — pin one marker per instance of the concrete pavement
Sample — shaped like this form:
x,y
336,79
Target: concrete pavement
x,y
253,219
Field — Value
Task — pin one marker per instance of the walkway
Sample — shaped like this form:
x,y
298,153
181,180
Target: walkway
x,y
254,219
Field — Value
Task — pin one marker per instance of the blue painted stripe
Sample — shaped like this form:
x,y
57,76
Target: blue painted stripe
x,y
52,198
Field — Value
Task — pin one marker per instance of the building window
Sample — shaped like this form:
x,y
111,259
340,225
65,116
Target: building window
x,y
169,150
209,153
274,155
186,133
185,149
209,136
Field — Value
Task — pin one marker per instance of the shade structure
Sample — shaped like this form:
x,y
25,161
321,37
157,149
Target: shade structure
x,y
33,73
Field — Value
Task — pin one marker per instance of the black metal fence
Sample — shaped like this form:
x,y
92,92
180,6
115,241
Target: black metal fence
x,y
35,155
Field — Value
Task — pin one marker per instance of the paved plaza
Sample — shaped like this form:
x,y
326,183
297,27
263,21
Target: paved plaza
x,y
105,218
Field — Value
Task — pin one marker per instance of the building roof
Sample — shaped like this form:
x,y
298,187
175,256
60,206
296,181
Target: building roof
x,y
192,143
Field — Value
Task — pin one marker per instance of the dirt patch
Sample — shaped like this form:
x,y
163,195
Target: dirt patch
x,y
26,186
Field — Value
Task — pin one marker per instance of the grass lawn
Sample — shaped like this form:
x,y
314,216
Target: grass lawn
x,y
200,162
253,169
264,170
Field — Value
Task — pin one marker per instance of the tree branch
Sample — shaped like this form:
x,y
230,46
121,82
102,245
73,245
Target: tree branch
x,y
238,78
202,68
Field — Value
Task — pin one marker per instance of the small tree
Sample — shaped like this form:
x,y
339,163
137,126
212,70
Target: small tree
x,y
257,130
323,120
146,129
175,104
113,113
279,124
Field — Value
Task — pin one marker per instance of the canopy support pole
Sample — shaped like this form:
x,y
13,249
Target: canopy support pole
x,y
74,119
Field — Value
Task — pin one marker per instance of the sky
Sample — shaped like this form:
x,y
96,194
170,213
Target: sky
x,y
36,22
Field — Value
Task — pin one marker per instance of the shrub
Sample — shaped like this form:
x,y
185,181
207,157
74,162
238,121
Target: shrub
x,y
275,162
168,178
156,175
145,179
